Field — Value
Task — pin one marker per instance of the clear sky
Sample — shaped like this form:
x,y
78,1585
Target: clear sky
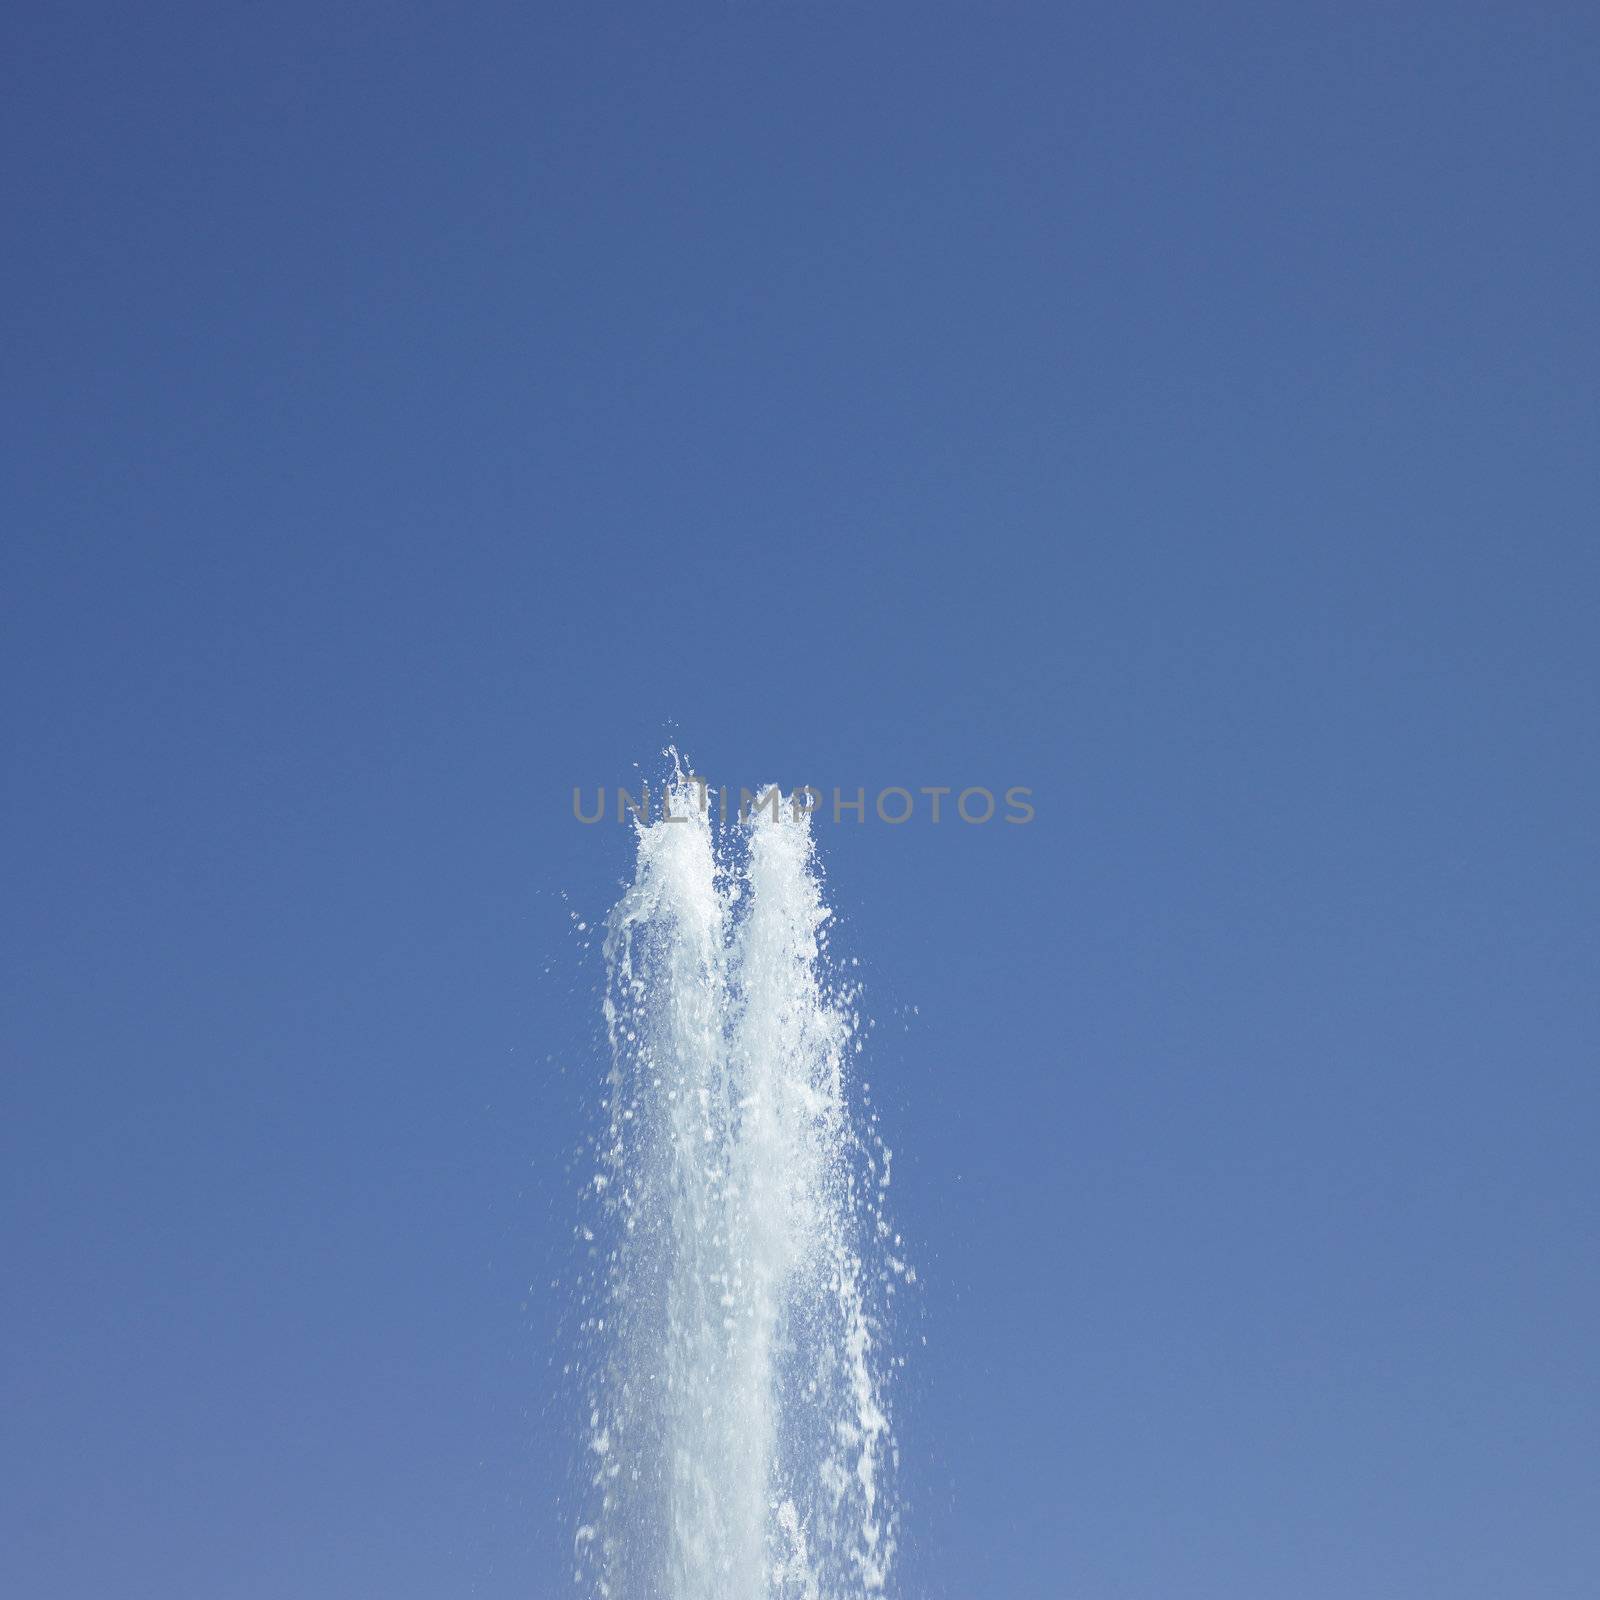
x,y
1186,411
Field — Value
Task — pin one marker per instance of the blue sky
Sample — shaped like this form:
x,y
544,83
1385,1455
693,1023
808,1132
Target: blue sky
x,y
1186,412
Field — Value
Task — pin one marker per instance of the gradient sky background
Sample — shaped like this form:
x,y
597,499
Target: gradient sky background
x,y
1187,411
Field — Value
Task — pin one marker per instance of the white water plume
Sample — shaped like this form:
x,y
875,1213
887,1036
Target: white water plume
x,y
739,1447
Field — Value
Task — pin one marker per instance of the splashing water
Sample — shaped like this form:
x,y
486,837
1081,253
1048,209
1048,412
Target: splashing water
x,y
739,1446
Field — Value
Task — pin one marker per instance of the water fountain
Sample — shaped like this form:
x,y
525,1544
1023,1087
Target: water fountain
x,y
738,1444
